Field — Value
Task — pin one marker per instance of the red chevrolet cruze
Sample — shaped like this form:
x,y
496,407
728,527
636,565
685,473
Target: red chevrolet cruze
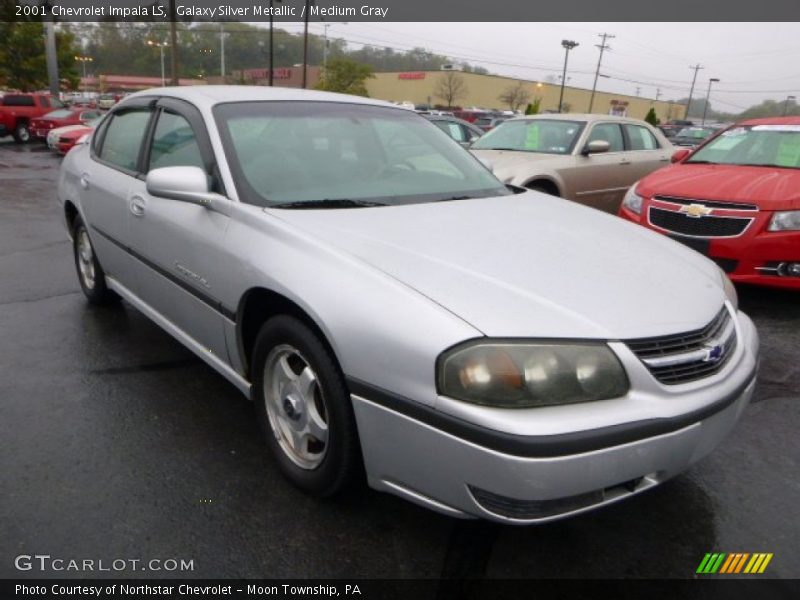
x,y
735,199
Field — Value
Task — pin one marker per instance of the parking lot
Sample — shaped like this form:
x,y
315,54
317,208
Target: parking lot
x,y
116,442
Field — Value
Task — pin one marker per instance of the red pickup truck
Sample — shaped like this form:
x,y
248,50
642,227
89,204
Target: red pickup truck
x,y
18,110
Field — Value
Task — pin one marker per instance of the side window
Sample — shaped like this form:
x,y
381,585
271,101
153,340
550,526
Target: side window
x,y
123,138
640,138
174,144
609,132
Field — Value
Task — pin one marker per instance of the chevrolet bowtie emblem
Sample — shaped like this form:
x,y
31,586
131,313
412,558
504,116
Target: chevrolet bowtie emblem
x,y
695,210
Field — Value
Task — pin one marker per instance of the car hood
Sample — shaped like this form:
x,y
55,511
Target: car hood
x,y
520,165
769,188
529,265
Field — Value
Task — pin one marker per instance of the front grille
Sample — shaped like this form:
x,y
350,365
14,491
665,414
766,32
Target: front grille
x,y
708,203
706,226
685,357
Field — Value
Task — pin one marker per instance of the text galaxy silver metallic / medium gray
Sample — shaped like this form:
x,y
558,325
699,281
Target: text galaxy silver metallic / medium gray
x,y
482,350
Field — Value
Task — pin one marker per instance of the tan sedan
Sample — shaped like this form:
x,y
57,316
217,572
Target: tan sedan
x,y
591,159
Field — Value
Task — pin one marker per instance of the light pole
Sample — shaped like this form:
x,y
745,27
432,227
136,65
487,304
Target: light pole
x,y
567,45
84,60
160,46
708,95
786,104
305,43
222,51
271,45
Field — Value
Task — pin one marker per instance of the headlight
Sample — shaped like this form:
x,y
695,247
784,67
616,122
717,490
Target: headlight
x,y
530,374
632,200
730,290
788,220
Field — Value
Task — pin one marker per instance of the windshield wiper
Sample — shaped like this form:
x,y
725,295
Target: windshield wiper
x,y
508,149
702,162
461,197
327,203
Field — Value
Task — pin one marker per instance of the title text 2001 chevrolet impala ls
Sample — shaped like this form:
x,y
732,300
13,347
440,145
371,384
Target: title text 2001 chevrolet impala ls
x,y
484,351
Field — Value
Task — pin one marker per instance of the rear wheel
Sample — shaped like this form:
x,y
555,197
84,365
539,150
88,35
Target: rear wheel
x,y
304,408
90,273
22,133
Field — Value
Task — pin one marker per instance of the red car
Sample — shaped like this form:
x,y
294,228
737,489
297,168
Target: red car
x,y
736,199
60,118
67,140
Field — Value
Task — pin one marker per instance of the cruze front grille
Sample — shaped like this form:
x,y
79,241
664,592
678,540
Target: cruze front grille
x,y
706,226
685,357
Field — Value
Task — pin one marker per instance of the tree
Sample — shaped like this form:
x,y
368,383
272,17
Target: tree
x,y
450,88
345,76
515,96
23,64
534,107
651,117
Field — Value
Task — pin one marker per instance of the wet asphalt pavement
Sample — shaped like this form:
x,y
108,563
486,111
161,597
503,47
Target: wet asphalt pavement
x,y
115,442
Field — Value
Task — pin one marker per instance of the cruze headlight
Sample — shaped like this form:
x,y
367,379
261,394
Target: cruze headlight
x,y
530,374
632,200
787,220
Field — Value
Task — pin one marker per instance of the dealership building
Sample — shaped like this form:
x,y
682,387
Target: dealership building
x,y
420,87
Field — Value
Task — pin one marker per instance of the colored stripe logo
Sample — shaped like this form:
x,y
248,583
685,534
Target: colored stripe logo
x,y
734,563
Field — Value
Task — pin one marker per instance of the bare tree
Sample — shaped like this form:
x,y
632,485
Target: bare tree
x,y
450,88
515,96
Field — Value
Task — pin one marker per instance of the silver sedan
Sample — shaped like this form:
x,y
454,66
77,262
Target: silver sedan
x,y
391,307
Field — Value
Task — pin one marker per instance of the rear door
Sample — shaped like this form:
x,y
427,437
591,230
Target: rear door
x,y
646,154
106,182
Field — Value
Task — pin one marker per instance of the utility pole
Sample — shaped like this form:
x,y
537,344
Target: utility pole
x,y
696,68
305,44
222,49
708,96
786,104
603,47
658,94
50,54
173,33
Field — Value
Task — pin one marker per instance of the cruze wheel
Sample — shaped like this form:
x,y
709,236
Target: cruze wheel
x,y
304,408
90,273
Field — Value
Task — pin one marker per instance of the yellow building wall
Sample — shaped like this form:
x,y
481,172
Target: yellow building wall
x,y
484,91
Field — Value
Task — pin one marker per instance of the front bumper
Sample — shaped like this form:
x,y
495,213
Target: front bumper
x,y
447,472
745,258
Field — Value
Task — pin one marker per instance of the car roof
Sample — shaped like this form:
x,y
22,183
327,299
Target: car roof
x,y
210,95
578,117
772,121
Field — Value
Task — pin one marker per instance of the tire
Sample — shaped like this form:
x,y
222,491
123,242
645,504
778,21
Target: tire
x,y
543,188
304,408
90,274
22,133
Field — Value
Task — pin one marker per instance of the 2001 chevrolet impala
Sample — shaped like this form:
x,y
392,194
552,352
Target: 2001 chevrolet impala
x,y
482,350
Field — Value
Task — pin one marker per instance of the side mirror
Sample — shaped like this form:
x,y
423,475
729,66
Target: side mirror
x,y
679,155
596,147
185,184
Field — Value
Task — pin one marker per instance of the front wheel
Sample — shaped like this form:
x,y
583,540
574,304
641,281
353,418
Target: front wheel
x,y
22,133
304,408
90,273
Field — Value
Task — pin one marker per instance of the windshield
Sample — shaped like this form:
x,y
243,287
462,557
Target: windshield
x,y
313,153
758,145
695,133
58,114
533,135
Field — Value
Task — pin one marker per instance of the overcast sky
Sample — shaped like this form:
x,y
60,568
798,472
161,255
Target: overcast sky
x,y
754,61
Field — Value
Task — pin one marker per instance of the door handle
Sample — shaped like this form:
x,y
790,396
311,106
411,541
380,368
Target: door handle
x,y
625,161
137,206
85,181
